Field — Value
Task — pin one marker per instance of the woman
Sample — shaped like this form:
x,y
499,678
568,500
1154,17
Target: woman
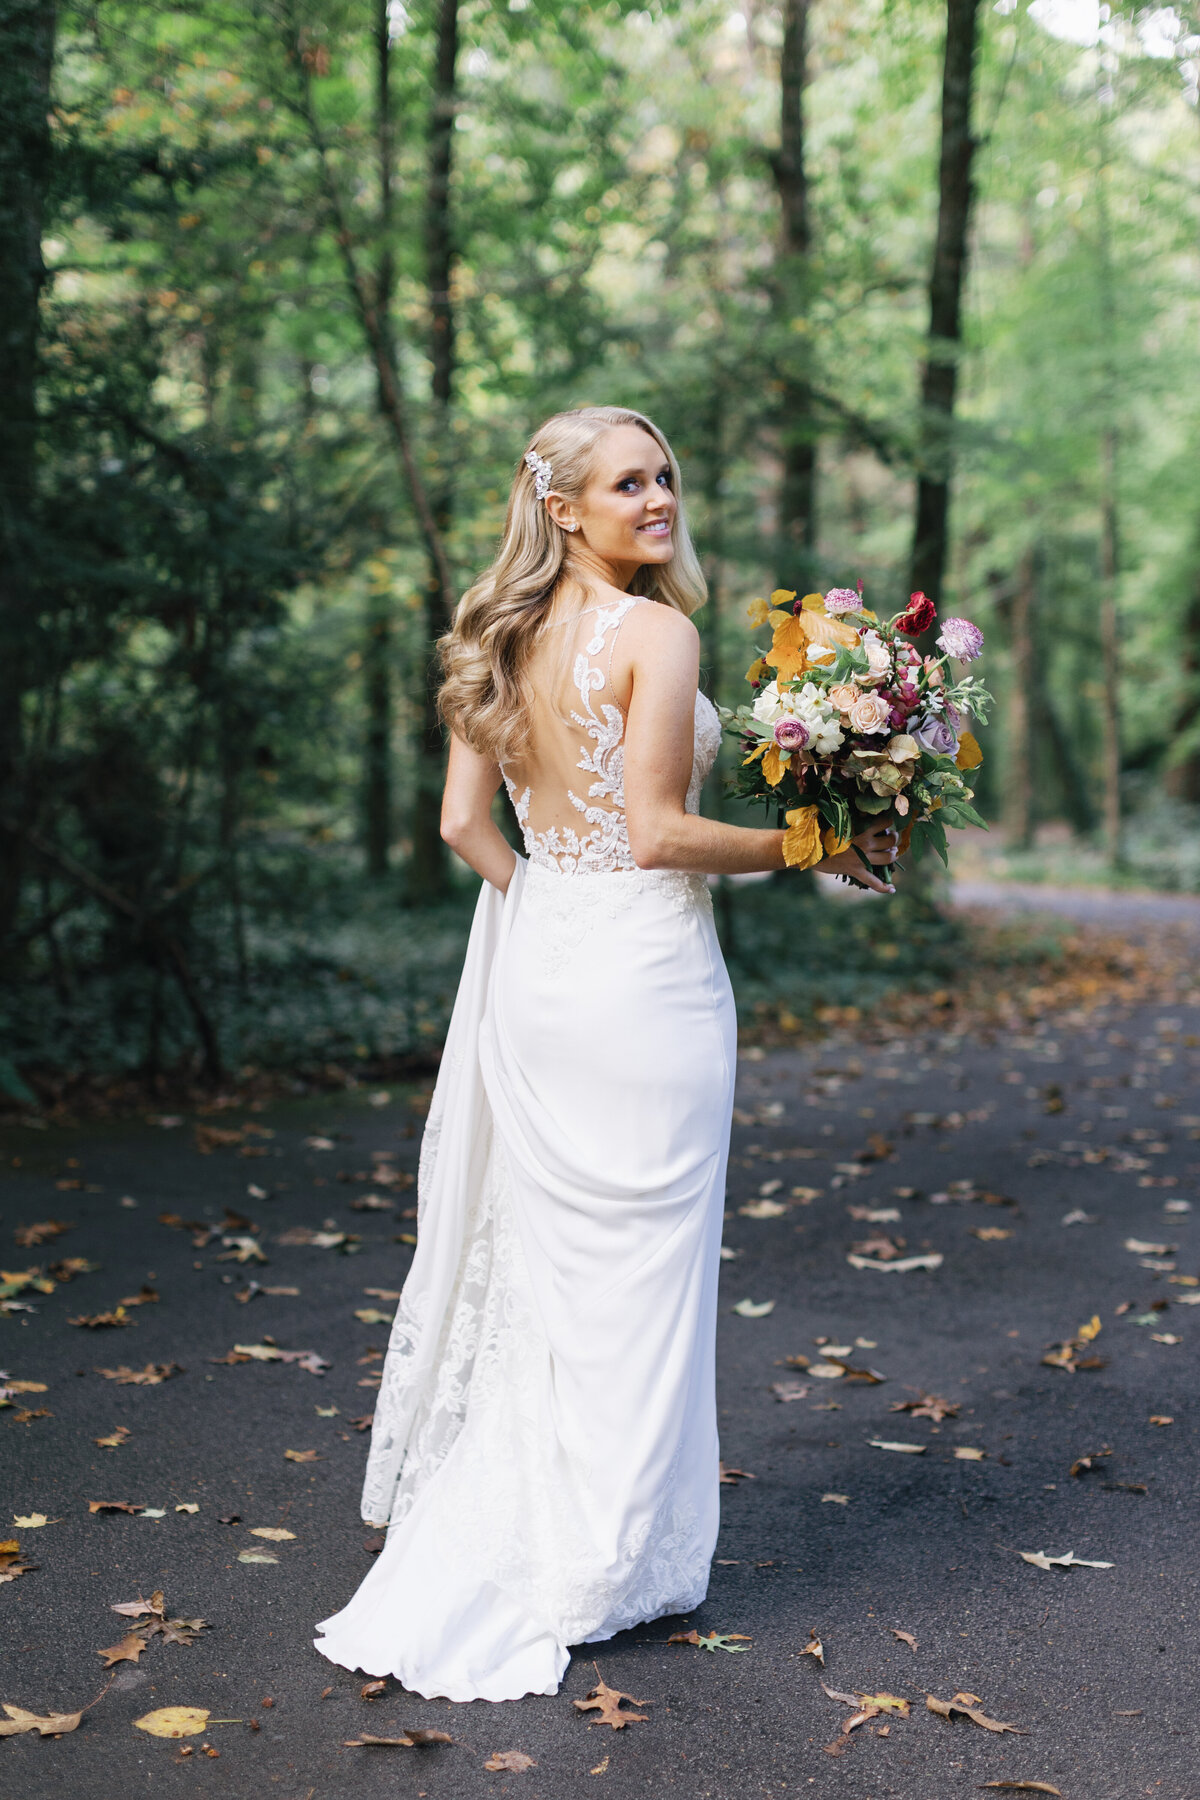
x,y
544,1446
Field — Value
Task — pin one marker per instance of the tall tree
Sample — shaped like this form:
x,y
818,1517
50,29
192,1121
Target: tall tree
x,y
427,858
939,377
27,34
793,282
377,647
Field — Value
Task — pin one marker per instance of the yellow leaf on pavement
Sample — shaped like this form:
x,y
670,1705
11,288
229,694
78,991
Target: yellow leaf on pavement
x,y
174,1721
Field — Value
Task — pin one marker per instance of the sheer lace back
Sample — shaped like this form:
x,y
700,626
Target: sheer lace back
x,y
579,727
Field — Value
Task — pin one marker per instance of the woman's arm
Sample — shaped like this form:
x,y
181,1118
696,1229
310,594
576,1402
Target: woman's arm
x,y
467,823
660,658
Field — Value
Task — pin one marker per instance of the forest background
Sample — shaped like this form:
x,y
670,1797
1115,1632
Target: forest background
x,y
910,284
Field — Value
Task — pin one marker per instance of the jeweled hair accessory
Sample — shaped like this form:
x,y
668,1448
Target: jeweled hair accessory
x,y
543,473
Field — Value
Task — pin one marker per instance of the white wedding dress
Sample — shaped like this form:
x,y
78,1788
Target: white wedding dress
x,y
544,1446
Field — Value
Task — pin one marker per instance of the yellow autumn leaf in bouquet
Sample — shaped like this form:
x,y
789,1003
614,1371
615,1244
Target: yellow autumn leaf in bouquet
x,y
802,839
833,844
773,765
756,612
969,754
757,669
788,652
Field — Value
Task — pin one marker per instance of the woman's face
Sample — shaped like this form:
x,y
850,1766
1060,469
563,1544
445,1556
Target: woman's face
x,y
626,513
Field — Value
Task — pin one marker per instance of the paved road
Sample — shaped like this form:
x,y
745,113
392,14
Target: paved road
x,y
1097,1666
1097,906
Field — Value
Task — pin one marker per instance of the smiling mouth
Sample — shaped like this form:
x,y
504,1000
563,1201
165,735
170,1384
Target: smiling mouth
x,y
657,528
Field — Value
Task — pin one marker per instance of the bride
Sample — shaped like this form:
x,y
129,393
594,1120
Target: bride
x,y
544,1449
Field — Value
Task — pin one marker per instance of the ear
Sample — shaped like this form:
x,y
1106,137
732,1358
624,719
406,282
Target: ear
x,y
561,512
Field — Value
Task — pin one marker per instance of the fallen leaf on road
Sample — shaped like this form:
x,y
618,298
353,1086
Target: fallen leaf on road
x,y
115,1439
1078,1217
124,1506
886,1703
790,1390
968,1705
303,1456
33,1521
257,1556
30,1236
99,1321
382,1293
47,1724
1155,1419
1164,1337
600,1767
371,1690
1083,1465
188,1506
752,1309
363,1423
875,1215
138,1609
145,1296
904,1449
174,1721
1024,1787
989,1234
514,1760
275,1533
929,1406
730,1477
1040,1560
967,1453
835,1499
150,1376
814,1646
128,1650
410,1741
905,1637
606,1702
22,1387
25,1415
713,1640
1140,1247
371,1315
903,1266
763,1209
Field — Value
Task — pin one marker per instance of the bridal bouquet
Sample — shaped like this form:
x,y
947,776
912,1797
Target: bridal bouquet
x,y
854,723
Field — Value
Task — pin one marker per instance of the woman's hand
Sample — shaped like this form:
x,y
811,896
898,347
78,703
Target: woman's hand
x,y
880,844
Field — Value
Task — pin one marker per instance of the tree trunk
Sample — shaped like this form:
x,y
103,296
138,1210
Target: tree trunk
x,y
797,525
427,868
27,33
713,466
1183,775
939,378
377,666
1110,651
377,750
1018,796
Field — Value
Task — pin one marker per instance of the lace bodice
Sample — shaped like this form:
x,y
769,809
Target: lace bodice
x,y
564,846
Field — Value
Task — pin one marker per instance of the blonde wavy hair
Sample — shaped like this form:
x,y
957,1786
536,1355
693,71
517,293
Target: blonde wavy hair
x,y
486,696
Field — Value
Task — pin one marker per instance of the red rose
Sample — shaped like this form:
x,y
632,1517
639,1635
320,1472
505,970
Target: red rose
x,y
917,616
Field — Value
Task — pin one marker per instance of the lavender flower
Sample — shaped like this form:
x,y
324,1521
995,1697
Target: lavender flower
x,y
935,736
843,600
791,734
960,639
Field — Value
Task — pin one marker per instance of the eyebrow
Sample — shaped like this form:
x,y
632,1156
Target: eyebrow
x,y
663,468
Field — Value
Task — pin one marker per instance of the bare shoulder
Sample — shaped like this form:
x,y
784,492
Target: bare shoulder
x,y
662,630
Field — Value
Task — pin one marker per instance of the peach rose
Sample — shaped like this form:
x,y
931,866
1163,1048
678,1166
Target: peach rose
x,y
844,694
870,713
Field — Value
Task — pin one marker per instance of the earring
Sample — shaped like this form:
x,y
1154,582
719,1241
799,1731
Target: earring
x,y
571,527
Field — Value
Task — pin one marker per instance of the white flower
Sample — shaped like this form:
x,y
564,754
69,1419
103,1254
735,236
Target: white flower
x,y
769,704
811,706
879,661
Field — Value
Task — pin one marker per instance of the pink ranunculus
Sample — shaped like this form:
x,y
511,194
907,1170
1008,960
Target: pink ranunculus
x,y
960,639
870,713
843,600
791,734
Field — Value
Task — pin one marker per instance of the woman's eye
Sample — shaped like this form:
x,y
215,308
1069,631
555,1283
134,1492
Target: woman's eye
x,y
665,478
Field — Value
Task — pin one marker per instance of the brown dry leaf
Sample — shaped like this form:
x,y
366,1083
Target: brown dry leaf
x,y
1083,1465
25,1415
68,1267
969,1453
515,1760
363,1422
124,1506
98,1321
929,1406
303,1456
814,1646
139,1608
275,1533
600,1767
841,1742
968,1705
905,1637
989,1234
150,1376
881,1247
1161,1419
23,1387
174,1721
886,1703
145,1296
606,1702
371,1690
128,1650
1024,1787
180,1631
115,1438
422,1735
730,1477
47,1724
30,1236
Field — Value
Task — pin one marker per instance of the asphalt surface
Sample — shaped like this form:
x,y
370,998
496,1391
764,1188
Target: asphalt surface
x,y
1097,1666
